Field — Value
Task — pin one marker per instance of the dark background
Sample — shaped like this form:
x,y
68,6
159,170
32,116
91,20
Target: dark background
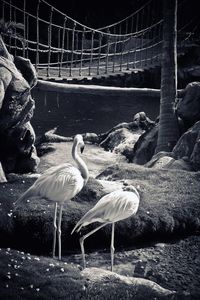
x,y
96,13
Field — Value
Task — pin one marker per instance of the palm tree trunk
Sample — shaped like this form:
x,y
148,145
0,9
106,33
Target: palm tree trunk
x,y
168,133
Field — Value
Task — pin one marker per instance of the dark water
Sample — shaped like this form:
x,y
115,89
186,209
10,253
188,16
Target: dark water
x,y
79,113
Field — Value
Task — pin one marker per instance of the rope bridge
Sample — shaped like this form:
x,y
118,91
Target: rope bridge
x,y
61,47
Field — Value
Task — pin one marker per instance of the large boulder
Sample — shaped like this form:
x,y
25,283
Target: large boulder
x,y
25,276
188,146
166,160
145,146
122,137
120,140
188,108
16,110
195,156
121,287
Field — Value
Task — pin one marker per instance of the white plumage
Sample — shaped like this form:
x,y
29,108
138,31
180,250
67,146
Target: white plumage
x,y
113,207
59,184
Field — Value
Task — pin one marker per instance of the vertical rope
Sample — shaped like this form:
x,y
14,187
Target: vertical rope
x,y
114,56
72,49
155,47
147,36
126,31
67,45
82,47
3,11
49,41
136,37
141,39
131,24
141,50
107,52
159,38
99,54
24,22
91,53
122,49
27,36
37,59
62,48
128,53
152,48
15,32
58,54
10,19
76,49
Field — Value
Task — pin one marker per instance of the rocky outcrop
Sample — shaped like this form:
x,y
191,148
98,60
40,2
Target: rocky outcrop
x,y
145,146
188,146
17,152
117,286
195,156
166,160
122,137
185,155
31,277
188,108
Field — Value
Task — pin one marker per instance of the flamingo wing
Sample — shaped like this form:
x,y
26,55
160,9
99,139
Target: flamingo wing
x,y
116,206
113,207
59,183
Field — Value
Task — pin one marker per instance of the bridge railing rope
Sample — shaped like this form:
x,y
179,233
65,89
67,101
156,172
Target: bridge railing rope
x,y
62,47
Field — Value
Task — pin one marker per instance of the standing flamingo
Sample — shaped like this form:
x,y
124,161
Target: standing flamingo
x,y
60,184
113,207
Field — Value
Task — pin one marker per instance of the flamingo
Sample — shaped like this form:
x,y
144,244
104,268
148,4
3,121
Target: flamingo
x,y
59,184
115,206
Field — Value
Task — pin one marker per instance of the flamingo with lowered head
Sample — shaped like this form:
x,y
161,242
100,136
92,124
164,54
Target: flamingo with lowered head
x,y
60,184
113,207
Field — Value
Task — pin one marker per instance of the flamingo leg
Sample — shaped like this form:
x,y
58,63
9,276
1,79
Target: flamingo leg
x,y
55,229
59,231
112,248
81,240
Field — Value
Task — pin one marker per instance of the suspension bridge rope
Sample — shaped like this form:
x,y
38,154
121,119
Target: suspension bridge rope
x,y
63,47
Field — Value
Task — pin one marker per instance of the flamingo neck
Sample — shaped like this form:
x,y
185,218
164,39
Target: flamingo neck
x,y
80,163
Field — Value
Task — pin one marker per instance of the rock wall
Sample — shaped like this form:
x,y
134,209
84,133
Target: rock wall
x,y
137,140
17,137
186,154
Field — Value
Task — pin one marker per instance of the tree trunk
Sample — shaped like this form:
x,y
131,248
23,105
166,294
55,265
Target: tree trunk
x,y
168,133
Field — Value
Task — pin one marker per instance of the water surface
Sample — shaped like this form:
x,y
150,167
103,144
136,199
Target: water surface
x,y
78,113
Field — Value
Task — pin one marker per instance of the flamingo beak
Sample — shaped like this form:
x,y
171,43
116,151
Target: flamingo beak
x,y
82,149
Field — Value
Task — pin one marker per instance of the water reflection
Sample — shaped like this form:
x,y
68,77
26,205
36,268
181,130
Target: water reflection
x,y
75,113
